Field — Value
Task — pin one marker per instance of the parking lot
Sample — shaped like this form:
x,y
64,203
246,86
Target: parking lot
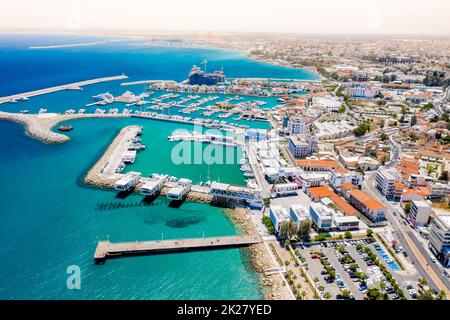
x,y
347,264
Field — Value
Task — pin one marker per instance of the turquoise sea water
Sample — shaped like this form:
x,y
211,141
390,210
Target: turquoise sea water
x,y
49,220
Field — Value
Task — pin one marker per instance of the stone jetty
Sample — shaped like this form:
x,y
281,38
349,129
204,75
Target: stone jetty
x,y
70,86
39,126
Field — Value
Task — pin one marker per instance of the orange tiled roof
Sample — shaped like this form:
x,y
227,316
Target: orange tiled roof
x,y
373,204
340,170
320,192
365,199
347,185
343,205
318,163
399,185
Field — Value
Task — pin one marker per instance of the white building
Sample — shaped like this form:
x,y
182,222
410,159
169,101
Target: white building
x,y
341,175
278,215
385,181
284,189
297,125
322,216
346,222
302,146
332,104
361,91
298,213
440,237
420,212
330,130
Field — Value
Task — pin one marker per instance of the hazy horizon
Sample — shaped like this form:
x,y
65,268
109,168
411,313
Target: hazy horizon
x,y
347,17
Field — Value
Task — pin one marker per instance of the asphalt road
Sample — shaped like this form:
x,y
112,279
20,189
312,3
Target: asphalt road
x,y
400,231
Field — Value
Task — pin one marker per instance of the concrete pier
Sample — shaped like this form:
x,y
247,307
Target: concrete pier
x,y
106,249
69,86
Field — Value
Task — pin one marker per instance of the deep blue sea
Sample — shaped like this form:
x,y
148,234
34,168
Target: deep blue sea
x,y
49,220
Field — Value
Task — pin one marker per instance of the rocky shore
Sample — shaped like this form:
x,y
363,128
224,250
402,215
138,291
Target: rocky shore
x,y
261,260
39,126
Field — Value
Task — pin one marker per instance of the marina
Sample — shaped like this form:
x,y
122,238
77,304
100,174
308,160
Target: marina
x,y
62,166
106,249
229,141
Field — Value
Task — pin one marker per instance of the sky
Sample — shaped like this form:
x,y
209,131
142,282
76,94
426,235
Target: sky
x,y
293,16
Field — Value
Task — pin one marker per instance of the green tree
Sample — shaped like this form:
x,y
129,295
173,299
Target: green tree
x,y
408,207
303,294
348,234
288,229
342,109
346,293
373,294
269,225
320,237
444,176
353,266
384,137
413,120
422,282
327,295
266,201
369,232
426,295
304,229
332,274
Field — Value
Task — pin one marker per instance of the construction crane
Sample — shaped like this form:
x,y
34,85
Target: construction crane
x,y
205,62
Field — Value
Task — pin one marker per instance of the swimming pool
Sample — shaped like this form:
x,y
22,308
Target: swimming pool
x,y
390,262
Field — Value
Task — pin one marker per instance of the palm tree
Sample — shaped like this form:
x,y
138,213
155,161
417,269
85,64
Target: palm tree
x,y
303,294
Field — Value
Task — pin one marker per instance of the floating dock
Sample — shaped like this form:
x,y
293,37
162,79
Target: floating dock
x,y
106,249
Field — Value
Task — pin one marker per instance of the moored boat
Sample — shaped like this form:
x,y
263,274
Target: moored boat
x,y
65,128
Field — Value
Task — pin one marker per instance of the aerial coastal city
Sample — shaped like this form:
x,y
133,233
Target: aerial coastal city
x,y
224,165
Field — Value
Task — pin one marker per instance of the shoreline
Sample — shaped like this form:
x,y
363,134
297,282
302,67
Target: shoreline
x,y
273,287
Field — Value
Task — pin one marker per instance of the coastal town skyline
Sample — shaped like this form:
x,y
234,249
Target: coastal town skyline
x,y
287,16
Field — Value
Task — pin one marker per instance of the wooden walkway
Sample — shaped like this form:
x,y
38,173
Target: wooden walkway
x,y
106,249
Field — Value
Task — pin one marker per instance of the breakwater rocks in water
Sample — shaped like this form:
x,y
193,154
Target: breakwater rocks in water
x,y
39,126
261,259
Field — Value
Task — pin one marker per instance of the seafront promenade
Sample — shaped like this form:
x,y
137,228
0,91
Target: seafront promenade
x,y
40,126
106,249
70,86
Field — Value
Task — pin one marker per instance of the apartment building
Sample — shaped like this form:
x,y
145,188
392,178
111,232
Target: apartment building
x,y
440,237
420,212
385,180
370,208
302,146
341,175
